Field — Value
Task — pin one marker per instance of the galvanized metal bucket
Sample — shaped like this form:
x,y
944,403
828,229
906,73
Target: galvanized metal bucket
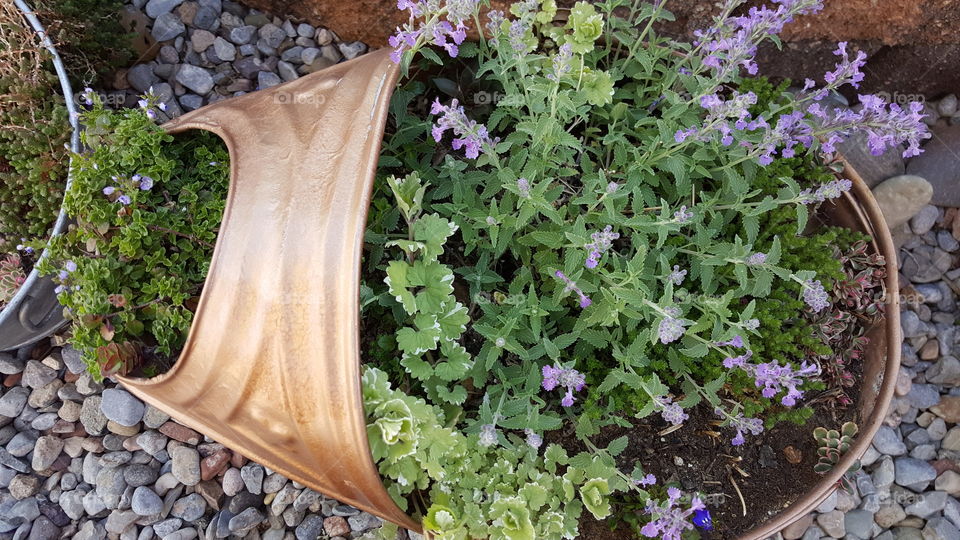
x,y
34,313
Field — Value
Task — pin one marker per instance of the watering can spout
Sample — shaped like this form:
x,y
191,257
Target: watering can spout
x,y
271,366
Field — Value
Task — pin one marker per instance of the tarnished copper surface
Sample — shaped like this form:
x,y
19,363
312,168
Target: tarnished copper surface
x,y
858,210
271,365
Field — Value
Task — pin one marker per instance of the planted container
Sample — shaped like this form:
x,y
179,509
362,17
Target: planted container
x,y
33,312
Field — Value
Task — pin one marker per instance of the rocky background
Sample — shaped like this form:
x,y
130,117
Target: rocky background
x,y
81,460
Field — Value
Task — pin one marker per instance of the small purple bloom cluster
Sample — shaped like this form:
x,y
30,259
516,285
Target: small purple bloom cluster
x,y
533,440
523,186
756,259
488,435
815,296
731,43
448,32
775,378
562,63
670,411
602,241
69,267
683,215
571,285
669,520
570,379
468,134
647,480
677,275
886,125
116,193
830,190
753,426
671,326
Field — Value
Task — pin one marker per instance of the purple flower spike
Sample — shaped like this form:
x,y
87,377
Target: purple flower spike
x,y
468,135
570,379
754,426
669,519
571,285
670,411
602,241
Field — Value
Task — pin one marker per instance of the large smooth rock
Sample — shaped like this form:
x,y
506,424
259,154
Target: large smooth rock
x,y
940,165
901,197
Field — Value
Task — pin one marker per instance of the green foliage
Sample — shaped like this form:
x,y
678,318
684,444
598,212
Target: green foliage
x,y
831,446
34,125
526,495
139,266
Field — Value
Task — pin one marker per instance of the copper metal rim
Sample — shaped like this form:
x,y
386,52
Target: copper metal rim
x,y
881,361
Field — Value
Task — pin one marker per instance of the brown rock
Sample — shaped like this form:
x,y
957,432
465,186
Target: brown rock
x,y
930,350
12,380
214,464
187,11
793,456
797,528
180,433
125,431
336,526
211,492
70,376
948,409
237,460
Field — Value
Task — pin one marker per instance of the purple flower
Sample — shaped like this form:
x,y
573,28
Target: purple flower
x,y
533,440
562,63
570,379
815,296
612,188
775,378
670,411
668,519
63,275
751,324
109,190
731,362
70,266
754,426
671,327
737,341
702,519
468,135
677,275
124,200
602,241
681,135
488,435
571,285
87,96
523,186
829,190
756,259
146,183
59,289
847,71
647,480
885,125
683,215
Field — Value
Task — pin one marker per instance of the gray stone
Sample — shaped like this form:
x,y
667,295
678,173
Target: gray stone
x,y
887,441
244,500
911,324
292,54
206,18
44,529
195,78
168,55
272,35
306,30
46,451
938,164
309,55
232,482
940,529
928,504
91,530
189,508
182,534
72,503
331,53
345,510
152,442
24,510
249,67
137,475
924,219
225,50
91,417
167,27
13,401
287,71
913,473
37,375
153,417
945,372
352,50
201,40
110,486
186,465
120,520
364,522
310,528
923,396
167,526
22,443
242,35
121,407
244,521
155,8
145,502
10,365
266,79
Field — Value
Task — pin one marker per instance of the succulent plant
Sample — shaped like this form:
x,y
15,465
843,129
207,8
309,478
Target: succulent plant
x,y
832,445
11,277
